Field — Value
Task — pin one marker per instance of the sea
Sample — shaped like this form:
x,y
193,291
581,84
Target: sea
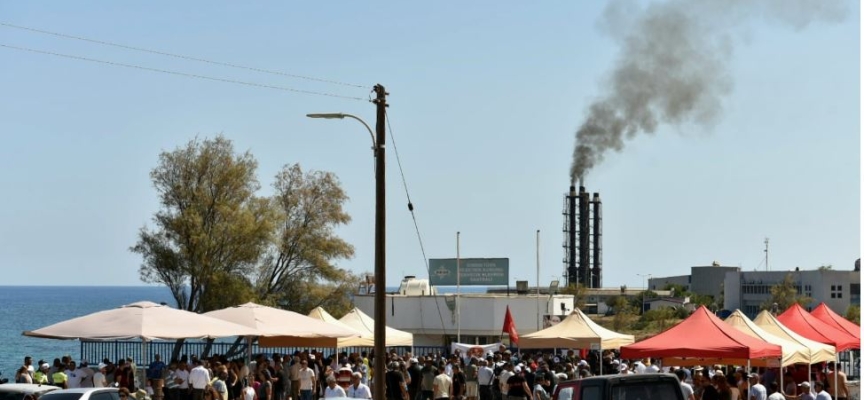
x,y
25,308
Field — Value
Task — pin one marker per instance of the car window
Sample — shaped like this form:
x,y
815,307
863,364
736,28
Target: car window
x,y
566,393
645,391
57,395
11,396
590,392
104,396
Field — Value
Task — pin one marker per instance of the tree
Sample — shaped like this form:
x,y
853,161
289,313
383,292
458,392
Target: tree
x,y
307,208
579,293
784,294
210,226
623,312
853,313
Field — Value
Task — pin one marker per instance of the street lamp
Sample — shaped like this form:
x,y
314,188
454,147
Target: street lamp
x,y
380,335
645,289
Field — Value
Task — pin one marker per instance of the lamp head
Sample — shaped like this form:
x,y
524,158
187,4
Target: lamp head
x,y
327,115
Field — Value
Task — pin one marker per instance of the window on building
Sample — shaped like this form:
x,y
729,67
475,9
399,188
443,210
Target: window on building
x,y
855,293
836,291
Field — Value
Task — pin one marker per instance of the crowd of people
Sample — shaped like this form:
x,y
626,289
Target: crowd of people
x,y
499,375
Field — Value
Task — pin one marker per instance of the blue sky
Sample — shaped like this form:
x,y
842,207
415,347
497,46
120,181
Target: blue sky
x,y
485,99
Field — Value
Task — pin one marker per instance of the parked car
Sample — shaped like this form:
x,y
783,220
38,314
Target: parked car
x,y
22,391
628,387
109,393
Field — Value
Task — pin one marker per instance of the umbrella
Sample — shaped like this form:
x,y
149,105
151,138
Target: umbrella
x,y
143,320
278,327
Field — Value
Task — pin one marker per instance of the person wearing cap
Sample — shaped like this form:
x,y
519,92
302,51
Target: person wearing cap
x,y
757,390
414,371
805,392
357,390
41,376
99,379
517,386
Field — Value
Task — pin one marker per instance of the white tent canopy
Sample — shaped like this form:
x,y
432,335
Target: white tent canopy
x,y
819,352
577,331
364,324
278,327
793,352
143,320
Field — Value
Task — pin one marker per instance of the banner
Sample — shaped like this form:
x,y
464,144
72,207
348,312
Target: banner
x,y
472,271
473,350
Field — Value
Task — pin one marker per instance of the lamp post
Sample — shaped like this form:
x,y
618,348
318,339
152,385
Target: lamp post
x,y
380,263
644,289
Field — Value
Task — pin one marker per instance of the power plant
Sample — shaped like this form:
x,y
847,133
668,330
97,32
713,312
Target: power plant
x,y
583,244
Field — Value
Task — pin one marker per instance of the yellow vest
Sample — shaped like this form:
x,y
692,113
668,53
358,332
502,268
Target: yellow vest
x,y
40,378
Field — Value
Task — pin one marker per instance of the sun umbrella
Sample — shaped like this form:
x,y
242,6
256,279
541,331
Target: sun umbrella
x,y
143,320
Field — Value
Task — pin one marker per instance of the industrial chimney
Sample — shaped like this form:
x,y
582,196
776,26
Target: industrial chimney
x,y
582,238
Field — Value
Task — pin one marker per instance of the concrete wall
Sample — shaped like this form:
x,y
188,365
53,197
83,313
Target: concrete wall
x,y
706,280
749,289
661,282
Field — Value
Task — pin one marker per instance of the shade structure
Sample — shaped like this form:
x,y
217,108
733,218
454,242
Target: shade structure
x,y
277,327
828,316
322,314
819,352
702,336
793,352
577,331
800,321
359,321
143,320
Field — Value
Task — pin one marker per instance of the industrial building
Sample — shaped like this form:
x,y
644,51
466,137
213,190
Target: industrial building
x,y
748,290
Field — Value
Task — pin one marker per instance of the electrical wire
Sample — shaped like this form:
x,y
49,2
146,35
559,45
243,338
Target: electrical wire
x,y
180,56
413,216
183,74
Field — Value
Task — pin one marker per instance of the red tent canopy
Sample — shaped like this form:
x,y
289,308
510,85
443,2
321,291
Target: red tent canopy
x,y
702,335
828,316
804,324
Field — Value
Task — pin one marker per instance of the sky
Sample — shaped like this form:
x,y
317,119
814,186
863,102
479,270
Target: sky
x,y
485,99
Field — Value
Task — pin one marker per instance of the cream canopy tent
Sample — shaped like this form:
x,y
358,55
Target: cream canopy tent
x,y
322,314
364,324
577,331
278,327
793,352
143,320
818,352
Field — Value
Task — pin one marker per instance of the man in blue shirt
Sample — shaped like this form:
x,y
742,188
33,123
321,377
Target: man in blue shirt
x,y
154,375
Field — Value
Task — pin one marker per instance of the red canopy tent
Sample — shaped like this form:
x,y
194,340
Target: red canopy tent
x,y
804,324
828,316
702,335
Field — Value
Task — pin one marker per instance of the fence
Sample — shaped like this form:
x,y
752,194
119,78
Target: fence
x,y
143,353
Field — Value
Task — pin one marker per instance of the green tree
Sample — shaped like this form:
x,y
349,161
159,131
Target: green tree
x,y
210,225
853,313
298,270
623,312
579,293
785,294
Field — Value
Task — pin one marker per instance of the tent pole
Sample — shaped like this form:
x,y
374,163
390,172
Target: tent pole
x,y
601,359
782,388
836,369
748,378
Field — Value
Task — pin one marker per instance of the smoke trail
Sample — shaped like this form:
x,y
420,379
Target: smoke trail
x,y
672,67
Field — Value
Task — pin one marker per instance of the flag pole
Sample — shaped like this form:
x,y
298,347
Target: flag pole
x,y
458,292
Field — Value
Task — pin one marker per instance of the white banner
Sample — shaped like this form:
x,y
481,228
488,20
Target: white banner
x,y
473,350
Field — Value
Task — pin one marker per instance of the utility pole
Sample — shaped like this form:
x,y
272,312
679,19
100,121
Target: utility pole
x,y
380,261
766,255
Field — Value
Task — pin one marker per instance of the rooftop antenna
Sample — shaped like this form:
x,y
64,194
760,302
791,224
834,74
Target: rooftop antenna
x,y
766,255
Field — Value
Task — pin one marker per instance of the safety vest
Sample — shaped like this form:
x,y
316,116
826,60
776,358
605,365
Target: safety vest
x,y
40,378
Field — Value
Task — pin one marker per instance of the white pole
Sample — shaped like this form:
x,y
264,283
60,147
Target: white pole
x,y
538,280
458,292
748,378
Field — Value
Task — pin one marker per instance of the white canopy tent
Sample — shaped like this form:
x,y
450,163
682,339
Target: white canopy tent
x,y
819,352
577,331
359,321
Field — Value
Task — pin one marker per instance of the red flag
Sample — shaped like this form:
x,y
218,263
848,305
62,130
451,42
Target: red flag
x,y
510,328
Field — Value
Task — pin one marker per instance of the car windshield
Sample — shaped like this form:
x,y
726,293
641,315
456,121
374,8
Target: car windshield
x,y
645,391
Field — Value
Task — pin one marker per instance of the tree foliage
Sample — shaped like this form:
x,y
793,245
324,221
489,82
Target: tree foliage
x,y
853,313
307,208
579,293
216,244
785,294
623,311
210,224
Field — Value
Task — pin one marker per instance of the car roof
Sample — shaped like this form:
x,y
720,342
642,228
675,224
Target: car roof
x,y
26,388
86,390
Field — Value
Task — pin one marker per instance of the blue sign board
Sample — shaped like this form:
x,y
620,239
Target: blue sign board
x,y
472,271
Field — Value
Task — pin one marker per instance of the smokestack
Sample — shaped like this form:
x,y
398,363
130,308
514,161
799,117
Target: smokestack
x,y
584,238
570,211
597,274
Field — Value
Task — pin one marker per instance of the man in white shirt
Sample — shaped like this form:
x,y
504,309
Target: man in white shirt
x,y
86,374
199,378
442,387
502,379
73,376
99,379
686,389
485,376
821,394
181,377
807,393
757,390
307,380
357,390
333,390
